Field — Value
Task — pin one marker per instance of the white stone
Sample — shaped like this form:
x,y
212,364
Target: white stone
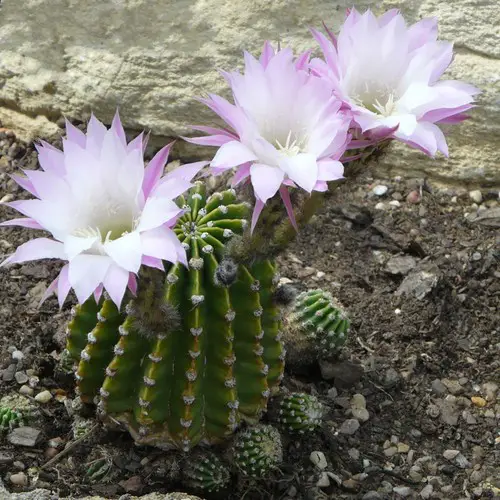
x,y
43,397
380,190
17,355
151,58
318,459
476,196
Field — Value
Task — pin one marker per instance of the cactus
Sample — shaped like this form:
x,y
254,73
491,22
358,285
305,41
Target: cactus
x,y
192,355
9,419
204,471
322,320
258,450
301,412
99,468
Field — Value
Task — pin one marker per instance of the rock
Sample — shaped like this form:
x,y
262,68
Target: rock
x,y
453,386
476,196
391,378
426,491
17,355
462,461
132,484
26,390
9,372
24,436
351,484
490,390
402,264
380,190
318,459
478,401
413,197
361,414
19,479
402,491
345,373
349,426
43,397
415,473
403,448
323,481
476,476
6,458
391,451
21,377
449,412
469,418
353,453
418,283
394,204
372,495
438,387
450,454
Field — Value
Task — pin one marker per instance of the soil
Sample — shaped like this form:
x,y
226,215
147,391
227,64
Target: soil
x,y
420,278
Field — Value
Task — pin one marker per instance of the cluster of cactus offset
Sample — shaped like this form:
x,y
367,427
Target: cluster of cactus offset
x,y
9,419
193,355
300,412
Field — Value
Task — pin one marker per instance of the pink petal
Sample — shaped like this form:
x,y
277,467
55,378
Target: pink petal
x,y
259,205
50,290
39,248
63,285
152,262
157,211
228,112
285,196
424,31
86,272
437,115
160,243
303,60
23,222
330,170
136,143
210,140
25,183
302,169
213,131
75,245
51,160
232,154
321,186
75,135
154,169
98,293
126,251
241,174
267,54
266,180
329,51
96,132
116,125
132,283
116,282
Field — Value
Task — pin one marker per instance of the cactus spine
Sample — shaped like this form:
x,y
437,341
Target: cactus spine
x,y
193,355
9,419
204,471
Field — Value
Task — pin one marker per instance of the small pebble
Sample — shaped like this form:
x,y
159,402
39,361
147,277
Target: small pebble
x,y
380,206
402,491
438,387
21,377
380,190
403,448
490,390
350,484
427,491
353,453
17,355
318,459
478,401
394,203
26,390
391,451
413,197
476,476
476,256
349,426
43,397
323,481
24,436
372,495
19,479
450,454
476,196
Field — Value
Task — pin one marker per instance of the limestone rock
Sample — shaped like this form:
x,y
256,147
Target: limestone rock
x,y
63,57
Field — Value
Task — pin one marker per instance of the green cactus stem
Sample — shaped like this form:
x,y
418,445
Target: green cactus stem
x,y
193,354
301,413
204,471
258,451
9,419
317,327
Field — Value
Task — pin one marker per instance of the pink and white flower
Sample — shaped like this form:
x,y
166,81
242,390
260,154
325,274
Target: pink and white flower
x,y
286,128
107,214
388,74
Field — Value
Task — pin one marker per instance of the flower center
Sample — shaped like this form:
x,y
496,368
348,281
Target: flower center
x,y
292,145
376,98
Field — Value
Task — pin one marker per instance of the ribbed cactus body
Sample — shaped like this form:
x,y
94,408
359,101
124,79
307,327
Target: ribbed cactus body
x,y
301,412
190,358
321,320
205,471
9,419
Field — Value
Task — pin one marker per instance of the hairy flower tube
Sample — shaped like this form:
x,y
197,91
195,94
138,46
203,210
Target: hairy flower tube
x,y
286,128
107,214
388,74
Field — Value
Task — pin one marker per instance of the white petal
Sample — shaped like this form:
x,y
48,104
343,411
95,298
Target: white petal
x,y
302,169
75,245
156,212
86,272
126,251
232,154
266,180
160,243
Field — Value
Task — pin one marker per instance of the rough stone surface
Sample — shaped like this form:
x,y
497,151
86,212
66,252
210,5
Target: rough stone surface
x,y
67,57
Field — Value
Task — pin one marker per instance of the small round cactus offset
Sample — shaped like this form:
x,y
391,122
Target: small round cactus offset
x,y
258,450
300,412
9,419
193,354
321,320
204,471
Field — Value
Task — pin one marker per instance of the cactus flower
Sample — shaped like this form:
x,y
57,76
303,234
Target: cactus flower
x,y
389,73
286,128
107,214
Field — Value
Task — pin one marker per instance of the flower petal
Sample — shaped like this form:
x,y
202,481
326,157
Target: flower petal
x,y
157,211
266,180
23,222
39,248
154,169
116,282
302,169
75,245
160,243
126,251
232,154
330,170
86,272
